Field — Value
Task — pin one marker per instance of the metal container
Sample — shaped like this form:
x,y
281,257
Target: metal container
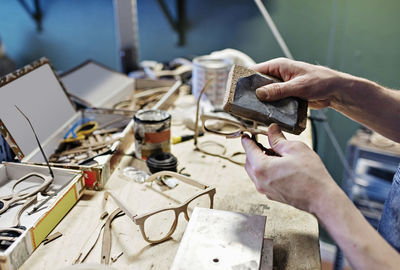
x,y
206,68
152,130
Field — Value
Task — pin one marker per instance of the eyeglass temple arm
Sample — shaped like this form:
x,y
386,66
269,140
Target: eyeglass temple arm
x,y
181,177
243,128
119,204
255,131
37,140
196,126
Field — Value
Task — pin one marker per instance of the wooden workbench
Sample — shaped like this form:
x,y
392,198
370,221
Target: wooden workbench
x,y
295,233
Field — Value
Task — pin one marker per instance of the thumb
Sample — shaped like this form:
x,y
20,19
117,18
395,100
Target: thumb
x,y
253,153
275,91
276,138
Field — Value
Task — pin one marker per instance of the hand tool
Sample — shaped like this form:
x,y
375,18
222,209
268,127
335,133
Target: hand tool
x,y
240,99
184,138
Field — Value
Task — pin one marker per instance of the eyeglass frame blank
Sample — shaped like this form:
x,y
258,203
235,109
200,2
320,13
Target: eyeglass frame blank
x,y
140,219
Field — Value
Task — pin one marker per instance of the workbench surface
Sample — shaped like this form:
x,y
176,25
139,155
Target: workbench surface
x,y
294,232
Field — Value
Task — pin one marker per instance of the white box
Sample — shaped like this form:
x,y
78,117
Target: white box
x,y
97,84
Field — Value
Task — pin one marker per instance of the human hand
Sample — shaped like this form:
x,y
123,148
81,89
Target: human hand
x,y
317,84
296,177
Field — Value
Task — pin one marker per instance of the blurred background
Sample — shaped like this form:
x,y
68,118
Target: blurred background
x,y
360,37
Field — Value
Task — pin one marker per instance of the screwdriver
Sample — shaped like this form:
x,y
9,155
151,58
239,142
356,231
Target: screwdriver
x,y
179,139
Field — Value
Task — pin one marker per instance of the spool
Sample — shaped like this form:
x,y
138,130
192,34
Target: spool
x,y
206,68
152,130
162,162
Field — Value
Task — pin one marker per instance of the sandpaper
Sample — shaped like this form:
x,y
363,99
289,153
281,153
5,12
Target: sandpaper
x,y
240,99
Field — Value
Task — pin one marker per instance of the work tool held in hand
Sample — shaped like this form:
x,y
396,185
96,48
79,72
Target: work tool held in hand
x,y
240,99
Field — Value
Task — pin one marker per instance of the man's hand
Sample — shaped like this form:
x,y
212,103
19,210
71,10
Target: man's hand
x,y
317,84
296,177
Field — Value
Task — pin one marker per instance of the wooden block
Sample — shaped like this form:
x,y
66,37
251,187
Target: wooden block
x,y
241,100
216,239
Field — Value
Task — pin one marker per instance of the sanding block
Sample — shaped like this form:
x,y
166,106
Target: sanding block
x,y
240,99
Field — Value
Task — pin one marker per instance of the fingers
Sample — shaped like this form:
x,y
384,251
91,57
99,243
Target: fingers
x,y
276,91
286,69
319,104
276,138
259,176
251,172
273,67
253,153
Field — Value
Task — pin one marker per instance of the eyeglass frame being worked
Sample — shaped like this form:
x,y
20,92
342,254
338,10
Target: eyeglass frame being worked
x,y
241,130
238,133
140,219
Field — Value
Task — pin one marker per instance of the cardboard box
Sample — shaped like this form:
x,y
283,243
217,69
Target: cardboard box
x,y
97,85
89,84
38,92
68,185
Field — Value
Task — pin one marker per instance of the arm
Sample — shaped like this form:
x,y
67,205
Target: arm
x,y
364,101
298,177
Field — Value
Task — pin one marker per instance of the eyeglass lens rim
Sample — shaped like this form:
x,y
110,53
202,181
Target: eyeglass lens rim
x,y
141,220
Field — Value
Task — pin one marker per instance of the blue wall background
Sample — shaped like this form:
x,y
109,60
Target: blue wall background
x,y
361,37
73,31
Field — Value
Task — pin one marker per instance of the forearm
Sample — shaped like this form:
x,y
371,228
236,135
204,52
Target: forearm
x,y
370,104
361,244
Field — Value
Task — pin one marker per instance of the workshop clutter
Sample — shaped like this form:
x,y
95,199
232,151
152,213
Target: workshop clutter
x,y
155,222
46,193
90,140
84,125
83,146
44,205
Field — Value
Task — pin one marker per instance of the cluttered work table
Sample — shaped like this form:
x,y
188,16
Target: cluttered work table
x,y
294,232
